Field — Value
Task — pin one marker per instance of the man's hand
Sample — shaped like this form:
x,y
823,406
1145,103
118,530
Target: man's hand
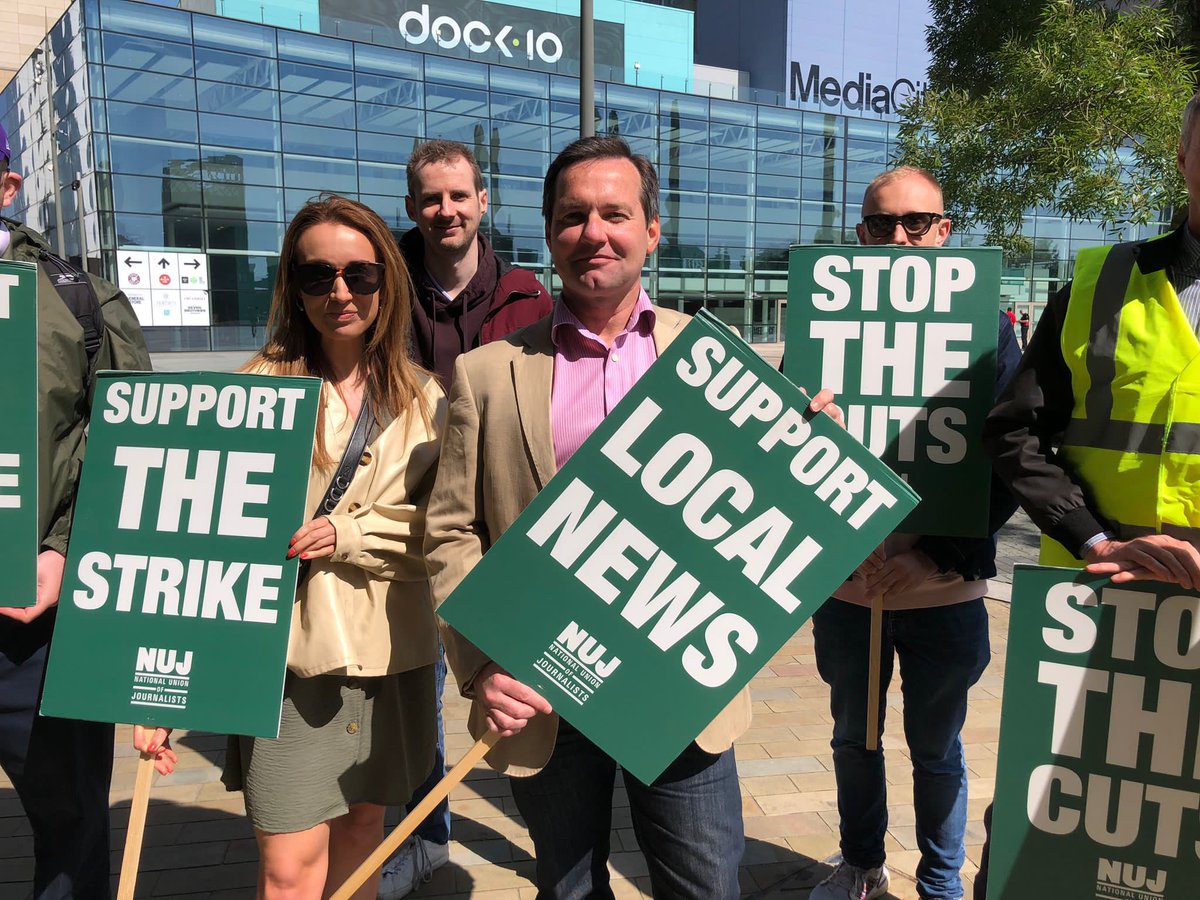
x,y
824,401
1156,557
901,573
871,565
508,703
50,565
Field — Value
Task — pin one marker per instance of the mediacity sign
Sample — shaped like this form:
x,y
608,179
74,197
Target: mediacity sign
x,y
700,525
177,596
18,445
1098,781
906,338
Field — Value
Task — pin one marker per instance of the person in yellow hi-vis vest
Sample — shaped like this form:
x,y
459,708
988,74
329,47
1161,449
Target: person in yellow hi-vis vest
x,y
1098,434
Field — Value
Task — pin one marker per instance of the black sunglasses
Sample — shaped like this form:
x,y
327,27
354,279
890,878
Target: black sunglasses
x,y
317,278
915,224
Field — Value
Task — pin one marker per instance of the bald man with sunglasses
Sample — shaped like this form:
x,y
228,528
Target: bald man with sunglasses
x,y
934,621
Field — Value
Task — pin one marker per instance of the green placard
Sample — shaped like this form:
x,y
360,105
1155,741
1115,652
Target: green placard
x,y
177,596
703,522
906,338
19,443
1098,781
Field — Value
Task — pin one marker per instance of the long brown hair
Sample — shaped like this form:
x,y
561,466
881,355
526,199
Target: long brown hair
x,y
293,345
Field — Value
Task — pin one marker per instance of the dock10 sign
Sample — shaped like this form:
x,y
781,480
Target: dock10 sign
x,y
177,597
18,447
906,338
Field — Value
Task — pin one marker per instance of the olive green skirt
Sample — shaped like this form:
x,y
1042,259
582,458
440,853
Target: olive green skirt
x,y
342,741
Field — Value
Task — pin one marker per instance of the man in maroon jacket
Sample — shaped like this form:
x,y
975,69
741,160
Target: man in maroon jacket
x,y
466,295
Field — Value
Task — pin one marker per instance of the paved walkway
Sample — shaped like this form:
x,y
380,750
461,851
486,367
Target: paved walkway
x,y
198,843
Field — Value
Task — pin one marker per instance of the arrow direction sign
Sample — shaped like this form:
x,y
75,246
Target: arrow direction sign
x,y
133,271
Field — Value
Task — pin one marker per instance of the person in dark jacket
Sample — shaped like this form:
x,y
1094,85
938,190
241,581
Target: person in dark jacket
x,y
935,622
465,296
60,768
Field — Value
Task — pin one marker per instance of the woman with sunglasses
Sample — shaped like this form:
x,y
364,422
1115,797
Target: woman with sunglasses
x,y
358,727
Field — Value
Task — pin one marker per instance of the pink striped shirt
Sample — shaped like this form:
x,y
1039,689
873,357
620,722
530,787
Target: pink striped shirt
x,y
590,378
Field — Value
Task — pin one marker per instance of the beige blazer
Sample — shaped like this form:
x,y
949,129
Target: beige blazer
x,y
497,453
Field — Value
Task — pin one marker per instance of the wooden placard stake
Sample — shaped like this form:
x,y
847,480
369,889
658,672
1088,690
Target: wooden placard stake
x,y
873,666
410,822
137,827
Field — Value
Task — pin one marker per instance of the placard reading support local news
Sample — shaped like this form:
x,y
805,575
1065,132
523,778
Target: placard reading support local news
x,y
18,445
702,523
177,596
1098,778
906,338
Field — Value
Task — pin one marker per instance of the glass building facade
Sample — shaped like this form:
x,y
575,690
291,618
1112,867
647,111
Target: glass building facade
x,y
144,127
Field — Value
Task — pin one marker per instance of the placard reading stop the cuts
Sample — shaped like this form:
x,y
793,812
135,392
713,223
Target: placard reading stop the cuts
x,y
906,337
177,596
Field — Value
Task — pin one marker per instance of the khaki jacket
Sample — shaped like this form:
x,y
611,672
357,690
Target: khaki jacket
x,y
366,610
498,452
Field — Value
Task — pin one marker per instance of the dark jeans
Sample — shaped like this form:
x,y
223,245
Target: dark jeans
x,y
61,770
943,650
688,822
436,826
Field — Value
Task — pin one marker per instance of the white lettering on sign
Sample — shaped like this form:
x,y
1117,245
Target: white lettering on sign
x,y
10,480
657,600
233,406
7,282
196,485
195,588
1142,723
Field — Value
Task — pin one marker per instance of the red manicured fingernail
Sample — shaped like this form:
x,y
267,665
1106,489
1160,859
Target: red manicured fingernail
x,y
291,553
304,556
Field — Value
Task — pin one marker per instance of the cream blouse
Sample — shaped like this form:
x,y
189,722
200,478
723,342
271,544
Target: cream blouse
x,y
366,610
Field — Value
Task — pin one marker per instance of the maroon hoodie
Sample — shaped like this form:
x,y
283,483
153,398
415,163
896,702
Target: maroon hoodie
x,y
498,300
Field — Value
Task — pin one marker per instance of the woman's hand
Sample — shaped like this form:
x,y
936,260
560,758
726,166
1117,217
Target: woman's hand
x,y
315,538
158,744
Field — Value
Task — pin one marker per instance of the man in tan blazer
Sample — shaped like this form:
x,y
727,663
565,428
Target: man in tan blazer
x,y
518,409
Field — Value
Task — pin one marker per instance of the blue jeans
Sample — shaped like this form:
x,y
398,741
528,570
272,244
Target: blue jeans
x,y
436,826
61,769
943,650
688,822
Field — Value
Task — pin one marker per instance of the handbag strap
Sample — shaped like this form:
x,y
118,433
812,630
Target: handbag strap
x,y
350,459
345,471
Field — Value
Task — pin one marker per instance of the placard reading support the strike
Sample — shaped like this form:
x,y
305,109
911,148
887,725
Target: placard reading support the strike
x,y
702,523
18,445
906,337
177,596
1098,780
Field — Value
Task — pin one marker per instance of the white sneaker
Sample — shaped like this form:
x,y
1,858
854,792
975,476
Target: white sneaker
x,y
412,866
848,882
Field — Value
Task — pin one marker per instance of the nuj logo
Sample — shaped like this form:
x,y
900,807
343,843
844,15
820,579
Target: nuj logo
x,y
588,650
153,661
1117,876
417,27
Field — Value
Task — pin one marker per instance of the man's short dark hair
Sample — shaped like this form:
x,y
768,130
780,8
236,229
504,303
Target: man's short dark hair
x,y
589,149
440,151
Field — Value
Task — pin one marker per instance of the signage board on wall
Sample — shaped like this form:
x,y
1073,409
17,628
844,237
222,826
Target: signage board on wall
x,y
856,57
165,288
474,29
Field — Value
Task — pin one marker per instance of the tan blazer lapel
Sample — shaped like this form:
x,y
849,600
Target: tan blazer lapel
x,y
667,325
533,376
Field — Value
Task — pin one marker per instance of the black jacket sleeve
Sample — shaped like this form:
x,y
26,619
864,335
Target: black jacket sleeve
x,y
1025,428
975,558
